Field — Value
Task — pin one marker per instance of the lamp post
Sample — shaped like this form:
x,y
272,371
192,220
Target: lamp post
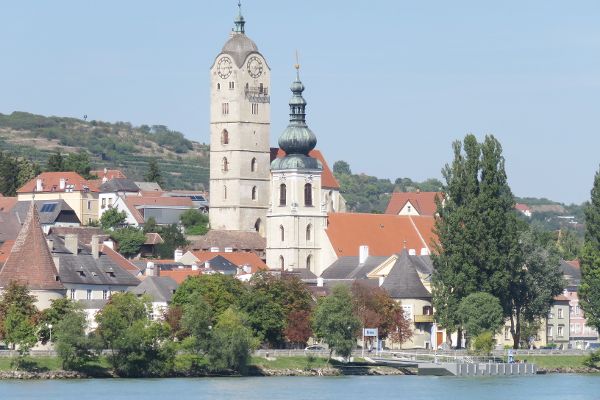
x,y
50,327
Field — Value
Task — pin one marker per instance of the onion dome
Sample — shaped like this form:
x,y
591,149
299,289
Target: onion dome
x,y
239,46
297,140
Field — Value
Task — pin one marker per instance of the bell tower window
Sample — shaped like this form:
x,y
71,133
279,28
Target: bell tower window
x,y
231,85
254,193
281,263
308,262
308,232
253,165
218,86
282,195
225,108
282,233
224,137
225,165
224,192
308,195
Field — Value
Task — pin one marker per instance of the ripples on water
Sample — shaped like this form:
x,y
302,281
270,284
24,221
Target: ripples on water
x,y
546,387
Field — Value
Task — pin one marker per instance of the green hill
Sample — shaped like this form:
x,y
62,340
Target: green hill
x,y
184,163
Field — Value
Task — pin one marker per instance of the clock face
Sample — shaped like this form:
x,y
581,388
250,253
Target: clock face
x,y
224,67
255,67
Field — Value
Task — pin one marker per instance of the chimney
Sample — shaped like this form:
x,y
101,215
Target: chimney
x,y
418,190
214,249
71,243
228,249
150,268
38,185
363,253
62,183
424,251
56,260
95,247
412,252
194,267
381,279
319,282
50,244
178,255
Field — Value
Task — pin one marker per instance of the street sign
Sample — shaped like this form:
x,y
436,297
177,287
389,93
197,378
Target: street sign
x,y
371,332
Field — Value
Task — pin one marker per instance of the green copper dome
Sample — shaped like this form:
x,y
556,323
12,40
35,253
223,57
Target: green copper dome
x,y
297,140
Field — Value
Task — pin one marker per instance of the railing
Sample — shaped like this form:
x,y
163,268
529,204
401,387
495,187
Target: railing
x,y
259,94
423,318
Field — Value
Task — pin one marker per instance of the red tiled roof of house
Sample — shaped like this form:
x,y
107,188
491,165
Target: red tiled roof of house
x,y
385,234
120,260
135,202
109,174
7,203
328,181
152,194
5,249
423,202
30,262
180,275
561,297
522,207
574,263
239,258
51,183
153,238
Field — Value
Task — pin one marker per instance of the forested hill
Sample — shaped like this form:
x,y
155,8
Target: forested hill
x,y
184,163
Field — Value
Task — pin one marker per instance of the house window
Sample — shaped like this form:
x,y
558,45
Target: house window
x,y
308,232
282,233
308,195
408,209
231,85
89,205
282,194
88,294
104,294
253,165
281,263
224,137
308,262
225,108
549,331
560,313
560,331
254,193
103,202
408,314
225,165
254,108
72,294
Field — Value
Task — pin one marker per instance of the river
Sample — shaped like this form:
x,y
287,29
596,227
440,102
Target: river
x,y
543,387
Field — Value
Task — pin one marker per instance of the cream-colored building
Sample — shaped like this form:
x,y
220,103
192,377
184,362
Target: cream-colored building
x,y
239,135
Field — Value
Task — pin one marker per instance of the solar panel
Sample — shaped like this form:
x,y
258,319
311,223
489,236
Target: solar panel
x,y
48,207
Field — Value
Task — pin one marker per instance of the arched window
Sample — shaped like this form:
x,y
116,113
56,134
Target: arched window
x,y
253,164
308,262
282,194
282,233
254,193
281,263
224,137
218,86
224,192
308,195
225,165
258,225
308,232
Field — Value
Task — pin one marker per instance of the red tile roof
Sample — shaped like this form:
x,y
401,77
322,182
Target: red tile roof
x,y
239,258
5,249
153,238
133,203
423,202
522,207
574,263
561,297
30,262
51,183
328,181
120,260
109,174
385,234
180,275
7,203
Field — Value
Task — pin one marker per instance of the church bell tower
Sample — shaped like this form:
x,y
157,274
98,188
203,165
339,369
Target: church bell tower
x,y
239,134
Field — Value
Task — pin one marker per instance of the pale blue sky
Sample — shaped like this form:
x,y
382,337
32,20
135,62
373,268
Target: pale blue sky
x,y
390,84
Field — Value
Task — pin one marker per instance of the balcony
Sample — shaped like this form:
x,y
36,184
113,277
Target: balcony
x,y
258,94
423,318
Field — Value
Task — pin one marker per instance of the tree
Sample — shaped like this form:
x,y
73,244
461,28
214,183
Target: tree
x,y
569,245
56,162
130,240
335,323
18,296
589,289
341,168
194,221
112,218
137,346
154,174
173,238
231,342
219,291
59,308
298,327
15,172
481,312
78,162
72,346
196,321
19,332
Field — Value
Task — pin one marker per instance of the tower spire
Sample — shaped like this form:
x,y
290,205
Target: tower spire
x,y
239,20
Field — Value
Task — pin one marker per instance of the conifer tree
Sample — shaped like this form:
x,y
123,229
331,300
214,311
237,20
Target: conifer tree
x,y
154,174
589,290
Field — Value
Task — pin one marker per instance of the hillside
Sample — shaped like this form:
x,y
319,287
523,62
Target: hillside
x,y
184,163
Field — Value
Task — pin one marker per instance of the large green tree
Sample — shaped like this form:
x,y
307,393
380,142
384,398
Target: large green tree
x,y
153,174
334,321
219,291
73,346
18,296
481,312
112,218
589,289
129,239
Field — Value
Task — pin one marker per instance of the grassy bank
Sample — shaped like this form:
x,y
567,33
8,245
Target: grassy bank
x,y
555,361
294,362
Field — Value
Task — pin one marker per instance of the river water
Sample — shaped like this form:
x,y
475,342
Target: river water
x,y
546,387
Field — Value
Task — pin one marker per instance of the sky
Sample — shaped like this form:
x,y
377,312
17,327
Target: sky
x,y
390,84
